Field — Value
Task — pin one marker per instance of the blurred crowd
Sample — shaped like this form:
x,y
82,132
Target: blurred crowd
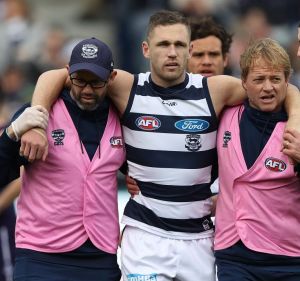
x,y
30,45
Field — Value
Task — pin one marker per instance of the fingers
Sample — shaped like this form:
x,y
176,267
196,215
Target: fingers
x,y
132,186
130,180
45,153
41,108
34,145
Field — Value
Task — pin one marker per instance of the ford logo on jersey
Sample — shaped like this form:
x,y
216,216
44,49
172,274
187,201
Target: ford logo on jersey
x,y
275,165
192,125
148,123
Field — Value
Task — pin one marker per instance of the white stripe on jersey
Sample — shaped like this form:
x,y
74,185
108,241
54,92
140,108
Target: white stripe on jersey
x,y
165,141
184,108
169,176
176,210
195,80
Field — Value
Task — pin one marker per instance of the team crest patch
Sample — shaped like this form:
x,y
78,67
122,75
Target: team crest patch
x,y
226,138
89,51
206,225
275,165
58,136
193,142
116,142
142,277
148,123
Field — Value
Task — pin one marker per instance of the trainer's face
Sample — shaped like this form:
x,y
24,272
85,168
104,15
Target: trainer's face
x,y
206,57
87,89
168,51
298,52
266,87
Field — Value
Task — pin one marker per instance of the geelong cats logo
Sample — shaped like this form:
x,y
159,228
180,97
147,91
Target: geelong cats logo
x,y
58,136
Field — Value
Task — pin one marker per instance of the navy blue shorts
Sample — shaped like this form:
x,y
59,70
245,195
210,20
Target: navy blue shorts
x,y
238,263
73,266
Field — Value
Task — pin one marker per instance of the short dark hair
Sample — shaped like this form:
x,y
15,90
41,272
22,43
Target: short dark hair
x,y
205,26
165,17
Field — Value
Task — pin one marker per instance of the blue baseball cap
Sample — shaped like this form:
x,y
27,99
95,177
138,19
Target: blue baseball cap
x,y
94,56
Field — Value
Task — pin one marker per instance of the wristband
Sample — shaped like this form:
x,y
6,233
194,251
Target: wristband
x,y
14,130
10,136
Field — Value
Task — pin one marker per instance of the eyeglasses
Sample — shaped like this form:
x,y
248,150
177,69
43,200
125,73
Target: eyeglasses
x,y
95,84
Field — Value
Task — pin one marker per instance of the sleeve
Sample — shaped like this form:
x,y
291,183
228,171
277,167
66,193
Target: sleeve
x,y
10,160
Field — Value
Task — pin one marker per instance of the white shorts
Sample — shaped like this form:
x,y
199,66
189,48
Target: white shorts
x,y
149,257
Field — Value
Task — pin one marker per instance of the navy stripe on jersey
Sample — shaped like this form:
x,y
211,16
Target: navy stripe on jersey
x,y
175,193
179,160
140,213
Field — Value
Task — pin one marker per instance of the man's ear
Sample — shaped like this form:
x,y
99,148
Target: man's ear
x,y
190,50
244,85
112,75
225,60
145,47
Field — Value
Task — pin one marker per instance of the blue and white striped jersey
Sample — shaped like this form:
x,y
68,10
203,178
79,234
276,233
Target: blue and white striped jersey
x,y
170,138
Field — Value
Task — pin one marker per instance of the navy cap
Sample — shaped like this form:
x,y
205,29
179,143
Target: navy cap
x,y
92,55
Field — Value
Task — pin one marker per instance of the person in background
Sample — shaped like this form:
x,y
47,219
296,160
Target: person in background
x,y
210,47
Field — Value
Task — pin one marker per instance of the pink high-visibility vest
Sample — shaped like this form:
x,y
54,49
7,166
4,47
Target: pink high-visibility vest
x,y
68,198
260,206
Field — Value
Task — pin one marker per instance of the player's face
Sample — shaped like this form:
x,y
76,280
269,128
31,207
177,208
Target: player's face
x,y
266,87
168,51
298,52
87,97
206,57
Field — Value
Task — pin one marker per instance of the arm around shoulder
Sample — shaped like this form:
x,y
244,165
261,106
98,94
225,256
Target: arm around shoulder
x,y
292,107
225,91
120,88
49,86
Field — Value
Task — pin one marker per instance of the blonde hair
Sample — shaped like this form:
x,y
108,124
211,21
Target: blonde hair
x,y
270,51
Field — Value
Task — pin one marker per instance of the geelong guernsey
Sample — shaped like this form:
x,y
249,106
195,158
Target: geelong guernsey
x,y
170,138
69,198
258,205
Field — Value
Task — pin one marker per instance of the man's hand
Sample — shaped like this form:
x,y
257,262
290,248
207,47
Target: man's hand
x,y
34,145
132,186
35,116
291,144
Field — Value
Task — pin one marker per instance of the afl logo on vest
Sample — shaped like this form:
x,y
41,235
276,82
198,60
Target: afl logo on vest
x,y
58,136
148,123
116,142
275,165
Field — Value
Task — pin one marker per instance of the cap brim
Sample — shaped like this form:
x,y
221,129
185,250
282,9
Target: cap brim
x,y
99,71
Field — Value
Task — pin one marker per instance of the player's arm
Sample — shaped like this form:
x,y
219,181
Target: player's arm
x,y
228,91
292,107
225,91
34,143
49,86
119,90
